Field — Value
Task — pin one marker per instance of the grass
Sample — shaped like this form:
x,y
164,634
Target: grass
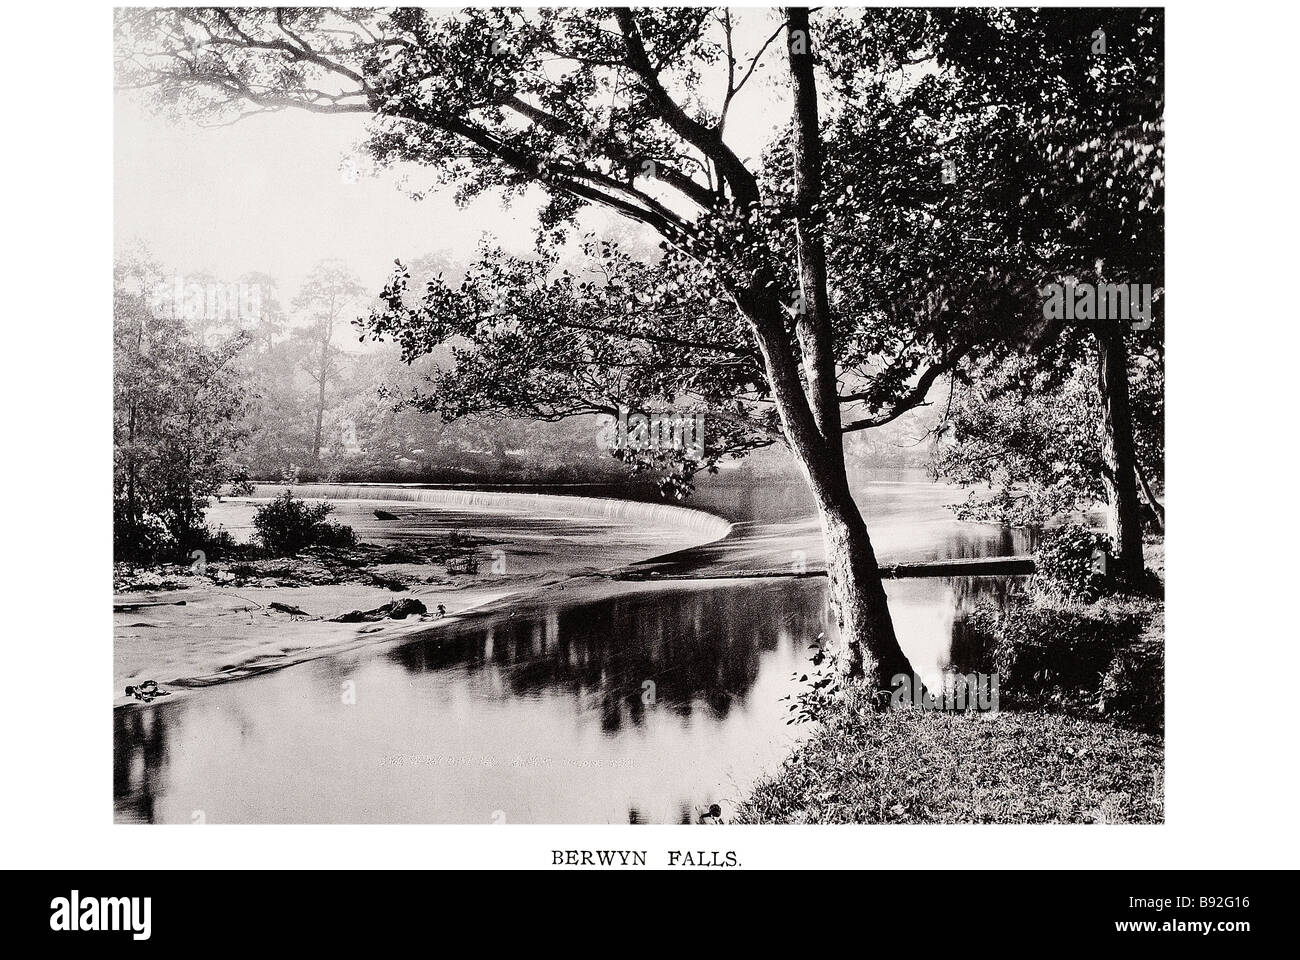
x,y
908,766
1082,741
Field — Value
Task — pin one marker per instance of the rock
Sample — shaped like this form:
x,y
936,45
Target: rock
x,y
385,515
352,616
147,691
397,610
405,607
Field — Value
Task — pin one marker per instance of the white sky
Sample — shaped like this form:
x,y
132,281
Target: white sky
x,y
267,193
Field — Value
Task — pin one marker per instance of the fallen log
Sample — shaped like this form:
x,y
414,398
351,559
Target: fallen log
x,y
961,567
289,609
128,607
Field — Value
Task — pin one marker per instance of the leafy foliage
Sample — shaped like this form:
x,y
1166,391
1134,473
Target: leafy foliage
x,y
819,688
177,406
286,526
1034,439
1069,561
613,107
1039,452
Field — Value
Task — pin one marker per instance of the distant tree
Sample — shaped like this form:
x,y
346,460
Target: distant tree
x,y
176,421
268,326
330,292
280,419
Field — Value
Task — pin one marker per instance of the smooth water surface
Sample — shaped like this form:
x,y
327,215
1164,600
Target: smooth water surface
x,y
614,702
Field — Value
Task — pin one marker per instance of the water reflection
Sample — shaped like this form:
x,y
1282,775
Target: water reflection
x,y
683,650
642,707
139,760
633,703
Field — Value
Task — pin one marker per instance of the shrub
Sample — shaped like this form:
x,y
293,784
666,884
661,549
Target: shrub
x,y
1133,687
286,526
1067,562
1052,655
820,686
146,541
219,543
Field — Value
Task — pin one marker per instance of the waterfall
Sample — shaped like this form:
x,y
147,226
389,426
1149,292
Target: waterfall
x,y
631,512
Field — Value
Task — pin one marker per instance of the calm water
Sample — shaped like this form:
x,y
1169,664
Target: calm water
x,y
622,702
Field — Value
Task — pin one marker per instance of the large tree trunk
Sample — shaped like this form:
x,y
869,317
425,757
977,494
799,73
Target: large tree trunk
x,y
807,400
868,648
1119,462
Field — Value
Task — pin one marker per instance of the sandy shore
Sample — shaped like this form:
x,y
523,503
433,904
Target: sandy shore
x,y
226,631
224,634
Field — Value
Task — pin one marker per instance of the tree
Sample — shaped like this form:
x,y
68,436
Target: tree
x,y
329,291
1088,86
177,408
267,327
280,417
1040,448
780,326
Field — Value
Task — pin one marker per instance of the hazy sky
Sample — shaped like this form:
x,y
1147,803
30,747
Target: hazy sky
x,y
267,193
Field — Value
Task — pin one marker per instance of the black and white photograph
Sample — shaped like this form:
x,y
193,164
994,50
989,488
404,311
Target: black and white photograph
x,y
653,415
712,440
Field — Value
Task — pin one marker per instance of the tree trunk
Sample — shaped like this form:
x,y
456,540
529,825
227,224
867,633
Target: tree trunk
x,y
320,410
813,322
1119,462
1157,508
868,648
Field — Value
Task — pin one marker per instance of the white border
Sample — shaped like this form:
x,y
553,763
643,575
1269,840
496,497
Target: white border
x,y
1231,781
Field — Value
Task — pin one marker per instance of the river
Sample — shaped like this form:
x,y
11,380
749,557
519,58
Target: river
x,y
587,702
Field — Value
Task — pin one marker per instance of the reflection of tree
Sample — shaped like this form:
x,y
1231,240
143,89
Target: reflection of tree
x,y
139,760
977,541
968,652
695,646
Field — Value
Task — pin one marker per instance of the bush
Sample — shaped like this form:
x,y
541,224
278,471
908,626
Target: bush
x,y
1051,655
219,544
1133,688
1067,562
144,542
286,526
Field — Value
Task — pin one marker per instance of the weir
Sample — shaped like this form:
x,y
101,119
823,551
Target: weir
x,y
630,512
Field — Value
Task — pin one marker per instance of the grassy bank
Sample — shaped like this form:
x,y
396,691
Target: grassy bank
x,y
1078,739
906,766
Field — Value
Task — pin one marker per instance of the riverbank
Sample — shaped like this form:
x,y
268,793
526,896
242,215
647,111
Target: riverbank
x,y
206,632
219,619
908,766
1079,738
